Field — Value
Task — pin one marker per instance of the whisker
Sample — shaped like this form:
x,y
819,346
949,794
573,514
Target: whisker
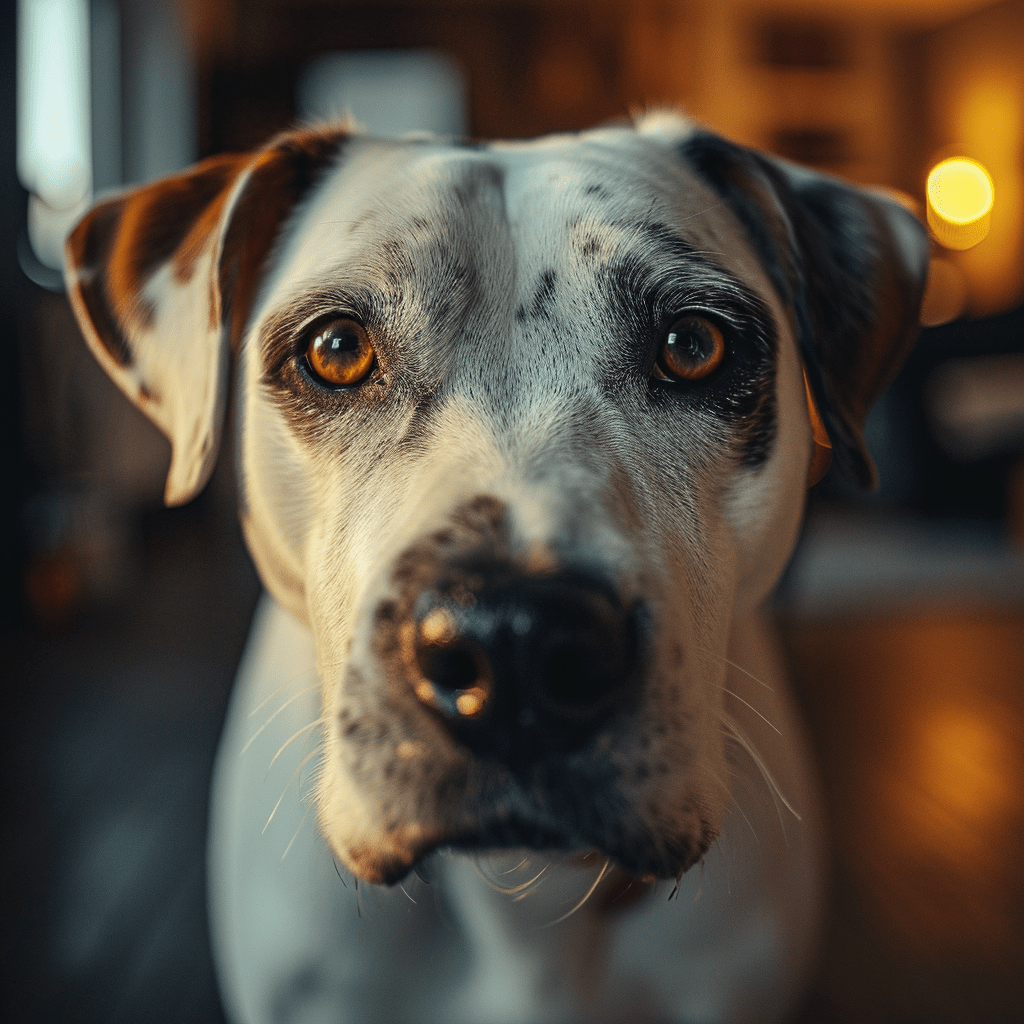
x,y
629,885
406,891
586,896
294,736
743,815
748,674
298,768
721,783
517,892
752,708
284,687
739,668
291,842
524,890
525,860
735,733
338,873
291,700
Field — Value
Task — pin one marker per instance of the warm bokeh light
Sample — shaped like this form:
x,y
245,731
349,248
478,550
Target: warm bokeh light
x,y
960,197
976,103
964,773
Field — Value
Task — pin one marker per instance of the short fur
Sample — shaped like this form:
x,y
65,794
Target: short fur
x,y
512,458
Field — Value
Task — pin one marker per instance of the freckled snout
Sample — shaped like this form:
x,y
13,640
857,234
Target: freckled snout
x,y
515,698
522,667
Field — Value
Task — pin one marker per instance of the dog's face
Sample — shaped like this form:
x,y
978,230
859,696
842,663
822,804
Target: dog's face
x,y
522,429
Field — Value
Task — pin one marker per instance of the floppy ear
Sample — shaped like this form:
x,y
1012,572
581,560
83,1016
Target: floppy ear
x,y
162,281
850,264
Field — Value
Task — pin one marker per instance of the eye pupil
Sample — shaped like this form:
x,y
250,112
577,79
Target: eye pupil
x,y
694,347
340,353
347,341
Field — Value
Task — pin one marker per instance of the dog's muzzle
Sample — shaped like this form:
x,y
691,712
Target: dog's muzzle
x,y
513,702
521,668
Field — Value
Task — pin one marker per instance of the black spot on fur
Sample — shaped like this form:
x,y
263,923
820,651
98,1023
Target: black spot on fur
x,y
543,299
385,613
596,190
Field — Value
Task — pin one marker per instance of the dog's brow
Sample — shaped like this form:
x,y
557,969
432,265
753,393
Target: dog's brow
x,y
670,275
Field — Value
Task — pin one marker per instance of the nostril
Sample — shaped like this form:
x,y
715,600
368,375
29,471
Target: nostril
x,y
451,667
454,671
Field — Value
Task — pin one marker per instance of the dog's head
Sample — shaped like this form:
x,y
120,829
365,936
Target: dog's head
x,y
522,428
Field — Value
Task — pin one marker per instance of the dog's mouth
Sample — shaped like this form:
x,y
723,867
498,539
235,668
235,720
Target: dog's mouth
x,y
550,847
563,820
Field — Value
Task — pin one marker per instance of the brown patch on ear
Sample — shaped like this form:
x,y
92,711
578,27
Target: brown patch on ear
x,y
280,178
187,253
88,249
121,243
163,218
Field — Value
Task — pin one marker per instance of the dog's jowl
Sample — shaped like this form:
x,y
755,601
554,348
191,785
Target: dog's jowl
x,y
524,432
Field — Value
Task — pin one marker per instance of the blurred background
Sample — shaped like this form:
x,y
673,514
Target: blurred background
x,y
902,612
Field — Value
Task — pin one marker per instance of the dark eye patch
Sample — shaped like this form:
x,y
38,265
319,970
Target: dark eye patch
x,y
651,287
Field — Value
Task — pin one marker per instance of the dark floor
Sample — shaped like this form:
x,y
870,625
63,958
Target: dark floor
x,y
916,706
120,714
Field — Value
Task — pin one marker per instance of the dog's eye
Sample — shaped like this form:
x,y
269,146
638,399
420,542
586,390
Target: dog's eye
x,y
340,353
692,349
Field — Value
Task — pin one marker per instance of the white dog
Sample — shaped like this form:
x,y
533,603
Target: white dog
x,y
524,432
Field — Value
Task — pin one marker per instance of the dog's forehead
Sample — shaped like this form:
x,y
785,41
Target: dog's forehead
x,y
581,200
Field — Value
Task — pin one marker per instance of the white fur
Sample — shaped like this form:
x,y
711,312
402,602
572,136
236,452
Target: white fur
x,y
516,296
732,946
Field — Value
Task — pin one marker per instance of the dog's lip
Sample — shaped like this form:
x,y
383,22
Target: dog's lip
x,y
646,866
392,867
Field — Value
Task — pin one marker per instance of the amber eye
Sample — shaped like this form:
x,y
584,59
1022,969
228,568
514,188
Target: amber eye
x,y
693,348
340,353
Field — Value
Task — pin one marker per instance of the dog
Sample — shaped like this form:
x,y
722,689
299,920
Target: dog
x,y
523,434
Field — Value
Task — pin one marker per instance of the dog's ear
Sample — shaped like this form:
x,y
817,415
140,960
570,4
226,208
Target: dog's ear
x,y
850,264
162,281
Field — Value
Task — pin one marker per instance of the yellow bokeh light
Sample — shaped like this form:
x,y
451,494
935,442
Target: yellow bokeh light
x,y
960,196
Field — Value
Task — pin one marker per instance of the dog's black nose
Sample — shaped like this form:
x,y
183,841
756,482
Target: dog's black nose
x,y
528,666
